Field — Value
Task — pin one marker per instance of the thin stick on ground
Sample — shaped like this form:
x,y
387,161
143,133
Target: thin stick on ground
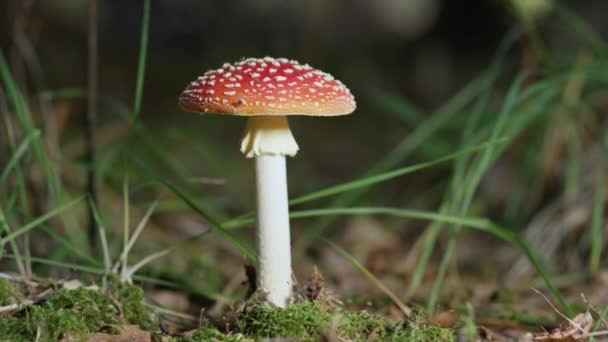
x,y
574,324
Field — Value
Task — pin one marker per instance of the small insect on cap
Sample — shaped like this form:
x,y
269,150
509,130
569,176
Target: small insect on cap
x,y
267,86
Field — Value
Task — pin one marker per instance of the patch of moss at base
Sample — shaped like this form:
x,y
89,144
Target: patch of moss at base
x,y
131,299
302,320
307,320
77,313
72,312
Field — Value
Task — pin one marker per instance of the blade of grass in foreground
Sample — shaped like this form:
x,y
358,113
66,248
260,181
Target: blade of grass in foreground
x,y
212,221
39,220
432,234
28,127
18,258
107,260
68,245
463,195
19,152
368,181
441,118
404,308
481,224
597,221
141,73
409,144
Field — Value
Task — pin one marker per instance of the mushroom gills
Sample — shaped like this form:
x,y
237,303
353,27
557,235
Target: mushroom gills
x,y
268,135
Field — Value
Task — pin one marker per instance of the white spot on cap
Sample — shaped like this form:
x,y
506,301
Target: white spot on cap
x,y
210,92
266,79
255,74
288,71
280,78
272,70
230,93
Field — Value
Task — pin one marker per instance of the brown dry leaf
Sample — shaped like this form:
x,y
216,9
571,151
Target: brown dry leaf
x,y
313,287
170,299
445,319
576,330
129,333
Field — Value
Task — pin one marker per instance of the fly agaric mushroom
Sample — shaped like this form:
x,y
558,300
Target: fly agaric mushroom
x,y
267,90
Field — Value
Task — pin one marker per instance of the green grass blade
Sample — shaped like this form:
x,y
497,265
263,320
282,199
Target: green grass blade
x,y
27,124
457,179
480,224
464,197
141,70
368,181
18,257
398,107
580,28
432,234
125,227
39,220
597,221
141,64
212,221
107,259
68,245
18,153
425,131
372,278
383,177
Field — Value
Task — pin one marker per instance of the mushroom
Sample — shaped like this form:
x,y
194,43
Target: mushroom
x,y
267,90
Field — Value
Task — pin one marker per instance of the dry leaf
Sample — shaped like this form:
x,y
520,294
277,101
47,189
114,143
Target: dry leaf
x,y
129,333
576,330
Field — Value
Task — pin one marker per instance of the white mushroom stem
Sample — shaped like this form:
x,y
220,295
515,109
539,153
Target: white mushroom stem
x,y
269,140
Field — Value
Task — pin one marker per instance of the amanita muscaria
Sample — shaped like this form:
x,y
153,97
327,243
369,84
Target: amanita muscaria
x,y
267,90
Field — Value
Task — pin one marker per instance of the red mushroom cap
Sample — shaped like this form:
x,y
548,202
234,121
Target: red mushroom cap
x,y
267,86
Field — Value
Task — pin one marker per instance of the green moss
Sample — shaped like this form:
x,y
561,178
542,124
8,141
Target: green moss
x,y
131,299
302,320
363,326
306,320
8,293
74,312
212,334
77,313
